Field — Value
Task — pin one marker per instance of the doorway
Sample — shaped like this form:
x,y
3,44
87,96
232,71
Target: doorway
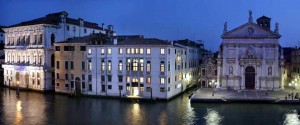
x,y
249,77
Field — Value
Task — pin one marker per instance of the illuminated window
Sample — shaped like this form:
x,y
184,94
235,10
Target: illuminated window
x,y
109,65
135,80
162,51
128,87
120,65
136,51
102,51
90,65
148,51
148,66
109,50
141,79
135,64
128,65
148,80
127,51
162,80
132,50
102,65
162,66
141,51
141,64
89,51
142,89
128,79
120,51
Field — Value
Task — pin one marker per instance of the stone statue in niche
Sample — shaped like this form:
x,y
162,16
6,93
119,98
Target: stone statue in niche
x,y
269,71
230,70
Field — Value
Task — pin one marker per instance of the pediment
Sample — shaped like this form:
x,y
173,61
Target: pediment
x,y
250,30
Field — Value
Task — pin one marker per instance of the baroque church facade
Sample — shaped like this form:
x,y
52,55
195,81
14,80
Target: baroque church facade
x,y
250,57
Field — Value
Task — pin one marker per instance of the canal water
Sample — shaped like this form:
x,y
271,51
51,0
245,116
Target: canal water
x,y
37,108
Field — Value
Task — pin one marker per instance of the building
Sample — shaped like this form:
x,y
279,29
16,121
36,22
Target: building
x,y
2,36
292,67
250,57
29,51
141,67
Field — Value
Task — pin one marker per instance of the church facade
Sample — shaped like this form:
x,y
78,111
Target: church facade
x,y
250,57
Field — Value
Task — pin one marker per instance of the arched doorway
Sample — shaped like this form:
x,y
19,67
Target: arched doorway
x,y
77,85
249,77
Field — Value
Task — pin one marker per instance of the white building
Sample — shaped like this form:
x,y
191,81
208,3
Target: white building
x,y
144,68
250,57
29,58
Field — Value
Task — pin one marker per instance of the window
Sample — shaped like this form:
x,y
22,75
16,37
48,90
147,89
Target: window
x,y
168,65
127,51
109,87
72,65
109,65
89,51
148,80
72,76
148,89
162,51
162,80
66,77
90,77
57,84
66,64
68,27
83,85
57,48
169,80
109,50
141,64
90,64
120,78
82,48
136,51
83,65
141,79
128,65
169,51
127,87
83,76
66,85
57,75
127,79
120,67
109,78
74,28
120,51
102,65
57,64
148,51
162,66
141,51
132,50
84,30
148,66
90,87
135,64
102,78
162,89
142,89
102,51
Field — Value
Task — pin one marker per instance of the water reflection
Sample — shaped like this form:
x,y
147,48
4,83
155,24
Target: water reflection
x,y
19,115
212,117
291,118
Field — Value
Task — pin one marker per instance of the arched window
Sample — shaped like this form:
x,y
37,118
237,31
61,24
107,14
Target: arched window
x,y
52,38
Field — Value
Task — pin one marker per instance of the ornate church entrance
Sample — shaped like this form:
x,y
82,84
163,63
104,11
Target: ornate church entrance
x,y
250,77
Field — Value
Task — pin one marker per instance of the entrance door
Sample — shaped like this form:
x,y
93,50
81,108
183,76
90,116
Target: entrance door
x,y
77,85
249,77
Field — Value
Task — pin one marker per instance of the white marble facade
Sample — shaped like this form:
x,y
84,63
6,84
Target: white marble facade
x,y
250,57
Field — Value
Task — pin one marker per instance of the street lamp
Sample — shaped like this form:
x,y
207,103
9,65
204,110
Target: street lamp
x,y
18,88
213,86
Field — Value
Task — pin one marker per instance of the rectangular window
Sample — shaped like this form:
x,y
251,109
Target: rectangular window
x,y
135,64
132,50
89,51
142,89
128,79
127,50
162,89
148,80
141,79
90,77
83,65
82,48
127,87
109,65
57,75
120,67
83,85
109,87
57,84
169,80
148,51
109,78
66,65
162,51
102,65
84,30
136,51
66,85
141,64
168,65
68,27
169,51
72,65
90,65
102,78
72,76
102,51
66,77
109,50
57,64
57,48
148,66
90,87
72,84
127,64
120,51
148,89
120,78
162,80
162,67
141,51
83,76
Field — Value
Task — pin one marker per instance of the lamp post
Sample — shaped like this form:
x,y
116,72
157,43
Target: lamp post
x,y
18,88
213,86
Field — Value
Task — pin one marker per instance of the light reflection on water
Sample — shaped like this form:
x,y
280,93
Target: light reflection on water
x,y
19,115
291,118
212,117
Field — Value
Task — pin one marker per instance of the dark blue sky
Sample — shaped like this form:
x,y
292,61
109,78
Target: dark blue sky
x,y
165,19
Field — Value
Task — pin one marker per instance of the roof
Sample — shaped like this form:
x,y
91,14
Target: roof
x,y
145,41
1,30
263,17
54,19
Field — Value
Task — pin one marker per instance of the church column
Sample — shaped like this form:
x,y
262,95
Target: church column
x,y
256,77
243,77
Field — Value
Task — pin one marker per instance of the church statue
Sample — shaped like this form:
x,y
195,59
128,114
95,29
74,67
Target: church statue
x,y
276,28
250,16
230,70
270,71
225,28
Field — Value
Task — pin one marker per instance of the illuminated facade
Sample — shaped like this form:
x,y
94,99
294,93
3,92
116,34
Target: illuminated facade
x,y
29,51
145,68
250,57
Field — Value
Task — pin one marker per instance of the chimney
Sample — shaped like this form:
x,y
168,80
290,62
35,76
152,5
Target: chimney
x,y
115,41
102,26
